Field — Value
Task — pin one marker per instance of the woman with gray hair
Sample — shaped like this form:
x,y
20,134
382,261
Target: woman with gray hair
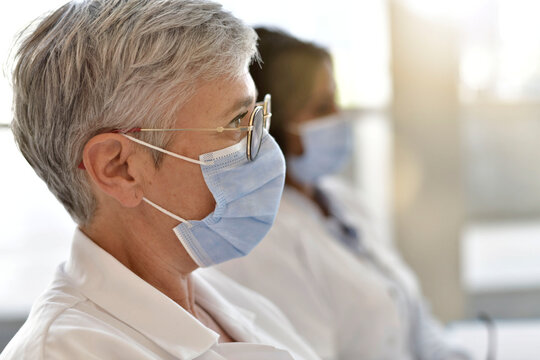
x,y
140,116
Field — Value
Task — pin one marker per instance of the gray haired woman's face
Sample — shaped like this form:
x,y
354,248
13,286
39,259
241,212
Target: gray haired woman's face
x,y
125,172
179,184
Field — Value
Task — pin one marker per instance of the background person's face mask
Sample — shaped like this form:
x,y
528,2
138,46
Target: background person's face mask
x,y
327,144
247,195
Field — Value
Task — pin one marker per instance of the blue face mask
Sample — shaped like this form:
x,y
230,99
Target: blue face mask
x,y
247,195
327,144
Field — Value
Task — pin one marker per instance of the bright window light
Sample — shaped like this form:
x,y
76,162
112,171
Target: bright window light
x,y
444,9
355,32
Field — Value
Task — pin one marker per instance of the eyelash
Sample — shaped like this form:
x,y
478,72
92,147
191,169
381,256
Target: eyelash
x,y
238,120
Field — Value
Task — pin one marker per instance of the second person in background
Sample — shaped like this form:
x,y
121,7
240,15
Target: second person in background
x,y
346,291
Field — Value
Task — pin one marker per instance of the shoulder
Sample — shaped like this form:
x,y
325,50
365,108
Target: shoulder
x,y
52,306
64,324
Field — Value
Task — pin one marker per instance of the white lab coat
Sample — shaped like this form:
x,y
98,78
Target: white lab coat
x,y
364,305
98,309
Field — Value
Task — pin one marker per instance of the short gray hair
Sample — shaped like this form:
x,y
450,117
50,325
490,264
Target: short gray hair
x,y
96,65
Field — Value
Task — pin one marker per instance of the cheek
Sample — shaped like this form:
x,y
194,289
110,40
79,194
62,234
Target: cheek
x,y
197,198
181,188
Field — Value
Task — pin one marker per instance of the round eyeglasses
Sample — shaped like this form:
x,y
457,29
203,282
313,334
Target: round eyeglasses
x,y
259,121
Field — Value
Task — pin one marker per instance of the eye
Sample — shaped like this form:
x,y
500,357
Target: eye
x,y
237,121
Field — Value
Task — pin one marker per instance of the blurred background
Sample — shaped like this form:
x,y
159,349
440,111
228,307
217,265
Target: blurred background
x,y
448,94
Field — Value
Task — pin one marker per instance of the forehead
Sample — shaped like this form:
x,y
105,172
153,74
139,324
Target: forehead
x,y
214,101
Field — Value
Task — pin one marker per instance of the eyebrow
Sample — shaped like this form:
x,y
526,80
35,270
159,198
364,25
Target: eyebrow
x,y
245,102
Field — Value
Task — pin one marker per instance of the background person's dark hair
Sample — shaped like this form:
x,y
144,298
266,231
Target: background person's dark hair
x,y
287,73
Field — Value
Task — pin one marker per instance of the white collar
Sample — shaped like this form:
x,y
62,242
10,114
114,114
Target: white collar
x,y
115,288
238,322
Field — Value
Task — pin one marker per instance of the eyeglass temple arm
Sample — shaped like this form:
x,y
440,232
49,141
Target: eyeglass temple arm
x,y
218,129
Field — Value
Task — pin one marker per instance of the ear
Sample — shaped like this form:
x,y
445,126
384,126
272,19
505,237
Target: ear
x,y
112,163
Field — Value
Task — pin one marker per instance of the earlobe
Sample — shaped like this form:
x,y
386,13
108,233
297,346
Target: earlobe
x,y
111,163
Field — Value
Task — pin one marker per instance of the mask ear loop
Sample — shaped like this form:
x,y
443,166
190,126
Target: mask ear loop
x,y
181,157
185,158
166,212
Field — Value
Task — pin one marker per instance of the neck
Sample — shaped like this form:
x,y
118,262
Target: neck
x,y
160,260
309,192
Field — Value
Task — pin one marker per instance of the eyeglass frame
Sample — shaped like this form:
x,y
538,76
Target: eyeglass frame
x,y
264,106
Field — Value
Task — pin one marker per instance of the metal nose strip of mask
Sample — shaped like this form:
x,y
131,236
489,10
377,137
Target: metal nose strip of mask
x,y
185,158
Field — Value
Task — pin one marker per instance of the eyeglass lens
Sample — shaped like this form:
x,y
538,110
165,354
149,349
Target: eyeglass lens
x,y
257,132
